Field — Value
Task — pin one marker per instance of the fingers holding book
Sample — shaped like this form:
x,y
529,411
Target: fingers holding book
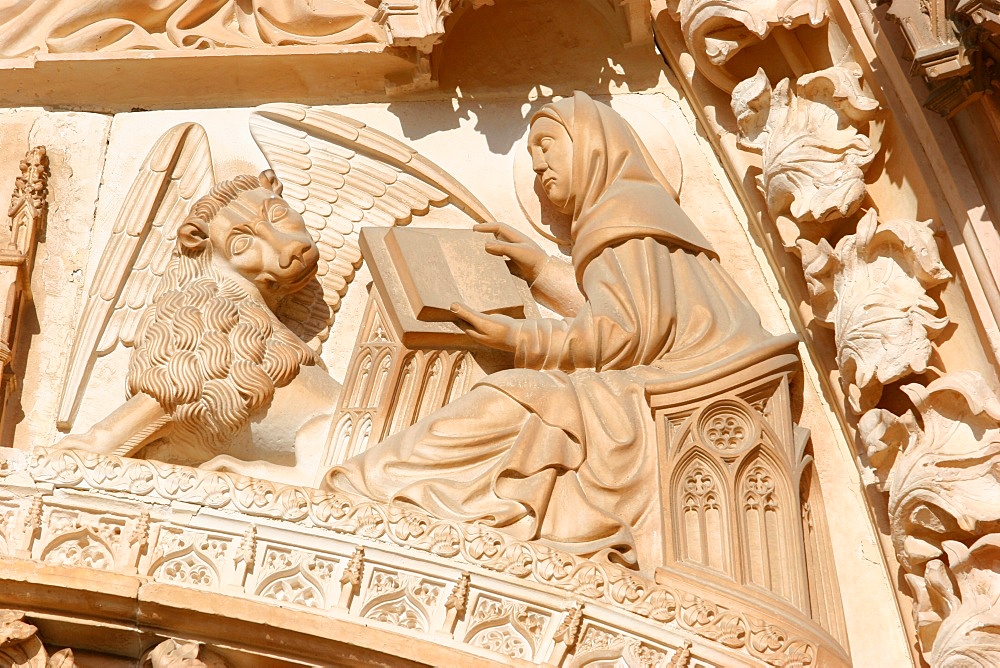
x,y
495,331
525,256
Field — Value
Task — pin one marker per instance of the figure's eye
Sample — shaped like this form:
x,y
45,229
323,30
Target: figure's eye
x,y
545,143
240,243
277,212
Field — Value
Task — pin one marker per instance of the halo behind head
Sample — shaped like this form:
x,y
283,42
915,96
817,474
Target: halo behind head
x,y
553,224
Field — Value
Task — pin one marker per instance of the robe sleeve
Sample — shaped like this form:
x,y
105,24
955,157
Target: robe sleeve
x,y
628,317
555,287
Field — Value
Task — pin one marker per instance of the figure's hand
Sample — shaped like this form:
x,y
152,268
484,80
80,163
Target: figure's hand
x,y
526,256
495,331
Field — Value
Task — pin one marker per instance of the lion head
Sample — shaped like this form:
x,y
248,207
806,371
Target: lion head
x,y
253,233
209,348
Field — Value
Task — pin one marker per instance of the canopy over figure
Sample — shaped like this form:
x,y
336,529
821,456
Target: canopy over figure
x,y
561,449
71,26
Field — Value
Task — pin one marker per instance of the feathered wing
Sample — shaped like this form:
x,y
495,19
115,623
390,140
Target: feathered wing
x,y
177,171
342,175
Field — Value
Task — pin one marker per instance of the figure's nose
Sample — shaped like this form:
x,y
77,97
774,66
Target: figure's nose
x,y
538,164
294,248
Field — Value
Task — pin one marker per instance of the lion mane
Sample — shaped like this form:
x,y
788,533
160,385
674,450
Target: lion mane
x,y
206,350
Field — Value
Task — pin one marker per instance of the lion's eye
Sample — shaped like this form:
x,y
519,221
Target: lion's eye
x,y
277,212
240,244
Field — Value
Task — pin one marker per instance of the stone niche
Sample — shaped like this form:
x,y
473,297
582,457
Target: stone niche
x,y
246,422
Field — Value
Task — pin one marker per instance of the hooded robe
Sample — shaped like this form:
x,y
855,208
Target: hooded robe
x,y
561,449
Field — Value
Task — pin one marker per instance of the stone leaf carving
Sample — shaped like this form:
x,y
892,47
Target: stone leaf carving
x,y
809,135
872,290
943,478
605,584
965,604
715,30
173,653
21,648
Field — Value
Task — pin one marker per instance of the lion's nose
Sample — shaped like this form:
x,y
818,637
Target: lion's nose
x,y
296,249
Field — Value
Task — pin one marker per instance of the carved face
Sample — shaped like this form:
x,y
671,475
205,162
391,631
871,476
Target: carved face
x,y
261,238
552,159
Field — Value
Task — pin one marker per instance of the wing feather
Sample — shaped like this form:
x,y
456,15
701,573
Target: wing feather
x,y
341,175
177,169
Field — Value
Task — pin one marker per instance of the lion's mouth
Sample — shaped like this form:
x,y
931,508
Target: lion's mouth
x,y
299,274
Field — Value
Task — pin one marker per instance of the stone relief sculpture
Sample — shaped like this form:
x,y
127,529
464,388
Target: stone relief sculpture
x,y
939,466
814,155
599,450
715,31
561,447
27,214
69,26
221,303
872,290
20,645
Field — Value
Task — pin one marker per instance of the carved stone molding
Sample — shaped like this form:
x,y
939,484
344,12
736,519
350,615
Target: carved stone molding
x,y
942,475
872,290
811,136
212,559
954,46
27,212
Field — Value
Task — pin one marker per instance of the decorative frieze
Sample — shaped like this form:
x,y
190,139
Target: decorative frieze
x,y
204,558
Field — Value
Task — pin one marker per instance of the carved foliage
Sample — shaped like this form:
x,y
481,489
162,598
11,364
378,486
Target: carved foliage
x,y
809,134
193,558
943,479
602,647
74,538
715,30
872,289
507,627
402,599
173,653
21,648
493,550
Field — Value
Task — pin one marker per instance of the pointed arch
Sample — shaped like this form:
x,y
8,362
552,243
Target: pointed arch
x,y
764,515
382,369
700,509
403,403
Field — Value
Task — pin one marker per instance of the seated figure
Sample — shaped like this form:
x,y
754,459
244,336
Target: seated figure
x,y
561,448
